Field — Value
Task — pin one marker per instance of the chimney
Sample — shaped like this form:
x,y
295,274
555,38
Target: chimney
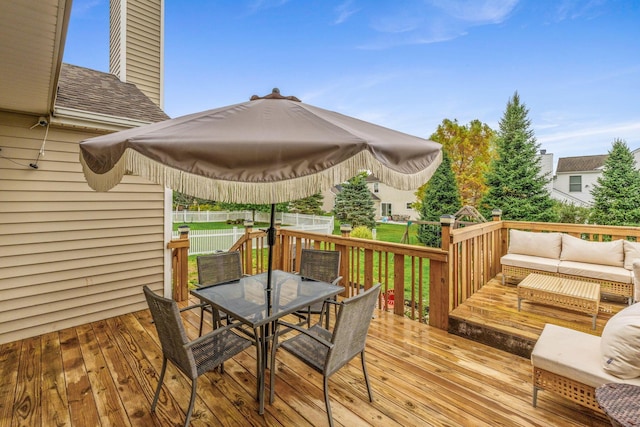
x,y
136,45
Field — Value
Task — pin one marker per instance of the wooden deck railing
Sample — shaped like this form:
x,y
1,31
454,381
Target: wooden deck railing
x,y
474,252
431,281
409,270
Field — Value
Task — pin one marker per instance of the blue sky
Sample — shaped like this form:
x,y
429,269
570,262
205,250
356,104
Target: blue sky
x,y
405,64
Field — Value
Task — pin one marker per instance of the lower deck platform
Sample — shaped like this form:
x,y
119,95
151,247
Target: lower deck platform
x,y
491,317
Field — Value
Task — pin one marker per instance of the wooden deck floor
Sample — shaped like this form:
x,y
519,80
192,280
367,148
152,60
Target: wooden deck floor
x,y
491,316
105,373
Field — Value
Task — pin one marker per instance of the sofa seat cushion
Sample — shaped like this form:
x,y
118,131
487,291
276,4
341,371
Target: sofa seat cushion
x,y
605,253
595,271
620,344
545,245
572,354
531,262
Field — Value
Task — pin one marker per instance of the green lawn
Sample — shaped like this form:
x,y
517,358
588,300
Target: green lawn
x,y
384,232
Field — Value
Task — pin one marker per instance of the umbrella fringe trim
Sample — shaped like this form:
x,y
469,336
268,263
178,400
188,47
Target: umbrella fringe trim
x,y
134,163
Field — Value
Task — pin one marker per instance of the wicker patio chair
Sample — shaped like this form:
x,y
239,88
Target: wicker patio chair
x,y
326,351
215,269
323,266
193,358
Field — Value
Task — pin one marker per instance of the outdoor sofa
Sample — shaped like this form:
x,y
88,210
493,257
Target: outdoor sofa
x,y
573,363
608,263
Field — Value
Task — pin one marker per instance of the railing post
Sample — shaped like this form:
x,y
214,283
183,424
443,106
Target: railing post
x,y
439,294
180,263
248,250
345,231
277,250
496,214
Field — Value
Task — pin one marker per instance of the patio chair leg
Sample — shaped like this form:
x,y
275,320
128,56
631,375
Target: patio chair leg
x,y
272,367
366,377
535,396
162,371
326,400
191,402
201,320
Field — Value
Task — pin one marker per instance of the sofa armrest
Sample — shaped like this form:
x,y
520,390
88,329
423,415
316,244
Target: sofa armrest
x,y
636,280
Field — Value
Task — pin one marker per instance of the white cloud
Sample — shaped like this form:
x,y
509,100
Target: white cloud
x,y
257,5
344,11
583,140
434,21
610,131
477,12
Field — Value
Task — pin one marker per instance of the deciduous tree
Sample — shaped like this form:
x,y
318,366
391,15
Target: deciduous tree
x,y
470,149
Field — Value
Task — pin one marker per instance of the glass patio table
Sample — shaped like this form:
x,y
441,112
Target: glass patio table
x,y
247,300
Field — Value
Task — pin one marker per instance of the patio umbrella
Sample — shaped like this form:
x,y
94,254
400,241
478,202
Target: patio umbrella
x,y
268,150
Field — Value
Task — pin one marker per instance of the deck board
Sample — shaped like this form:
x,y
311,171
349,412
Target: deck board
x,y
491,316
106,372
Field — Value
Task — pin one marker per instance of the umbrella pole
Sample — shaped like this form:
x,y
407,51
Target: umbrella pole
x,y
271,241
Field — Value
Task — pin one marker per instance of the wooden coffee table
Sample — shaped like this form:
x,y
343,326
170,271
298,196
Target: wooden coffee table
x,y
561,292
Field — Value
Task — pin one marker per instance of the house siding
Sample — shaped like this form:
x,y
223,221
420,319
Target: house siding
x,y
136,45
589,180
70,255
397,198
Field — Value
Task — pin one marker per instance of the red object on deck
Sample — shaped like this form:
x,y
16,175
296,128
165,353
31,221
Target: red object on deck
x,y
390,298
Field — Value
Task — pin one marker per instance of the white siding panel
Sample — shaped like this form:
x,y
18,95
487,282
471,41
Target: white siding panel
x,y
70,255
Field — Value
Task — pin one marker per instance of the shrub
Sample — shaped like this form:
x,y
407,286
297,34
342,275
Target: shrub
x,y
362,232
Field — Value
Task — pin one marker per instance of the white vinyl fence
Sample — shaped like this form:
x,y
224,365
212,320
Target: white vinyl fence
x,y
208,241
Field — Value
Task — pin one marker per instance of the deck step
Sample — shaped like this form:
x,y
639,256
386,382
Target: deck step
x,y
491,317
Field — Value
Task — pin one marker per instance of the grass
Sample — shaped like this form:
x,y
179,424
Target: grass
x,y
384,232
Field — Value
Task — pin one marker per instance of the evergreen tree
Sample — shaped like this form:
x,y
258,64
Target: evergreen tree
x,y
441,197
515,184
311,205
354,204
616,194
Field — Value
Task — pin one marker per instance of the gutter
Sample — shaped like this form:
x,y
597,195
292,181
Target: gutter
x,y
71,117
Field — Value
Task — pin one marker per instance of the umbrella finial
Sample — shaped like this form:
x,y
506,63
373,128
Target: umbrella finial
x,y
275,94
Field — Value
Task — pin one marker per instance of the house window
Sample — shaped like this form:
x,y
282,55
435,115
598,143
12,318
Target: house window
x,y
375,187
409,205
575,183
386,209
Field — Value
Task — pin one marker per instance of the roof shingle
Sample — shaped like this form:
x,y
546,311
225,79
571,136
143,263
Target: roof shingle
x,y
97,92
581,163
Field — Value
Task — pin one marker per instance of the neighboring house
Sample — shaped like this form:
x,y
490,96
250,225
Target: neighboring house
x,y
576,176
70,255
393,203
387,201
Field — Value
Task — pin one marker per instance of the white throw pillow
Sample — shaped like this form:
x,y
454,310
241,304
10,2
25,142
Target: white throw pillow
x,y
546,245
631,253
620,344
603,253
